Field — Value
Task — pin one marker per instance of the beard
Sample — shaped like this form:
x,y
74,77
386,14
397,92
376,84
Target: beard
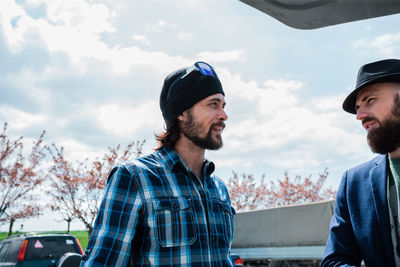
x,y
386,137
190,129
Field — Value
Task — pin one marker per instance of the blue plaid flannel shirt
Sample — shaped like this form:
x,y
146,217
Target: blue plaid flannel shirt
x,y
156,212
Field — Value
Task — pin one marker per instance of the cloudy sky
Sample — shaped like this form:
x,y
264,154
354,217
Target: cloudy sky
x,y
90,72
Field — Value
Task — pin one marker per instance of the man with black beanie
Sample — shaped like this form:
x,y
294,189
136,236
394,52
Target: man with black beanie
x,y
167,209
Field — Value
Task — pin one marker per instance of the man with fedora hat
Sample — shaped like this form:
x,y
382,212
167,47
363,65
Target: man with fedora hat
x,y
365,225
167,208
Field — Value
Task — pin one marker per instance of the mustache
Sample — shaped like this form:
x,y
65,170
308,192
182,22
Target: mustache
x,y
220,123
367,119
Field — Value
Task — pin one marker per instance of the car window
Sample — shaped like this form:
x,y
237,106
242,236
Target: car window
x,y
12,251
3,250
49,247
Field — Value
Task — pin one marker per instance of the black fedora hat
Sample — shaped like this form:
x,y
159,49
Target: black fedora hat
x,y
387,70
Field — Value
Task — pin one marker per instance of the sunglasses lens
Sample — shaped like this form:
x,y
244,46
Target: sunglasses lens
x,y
205,69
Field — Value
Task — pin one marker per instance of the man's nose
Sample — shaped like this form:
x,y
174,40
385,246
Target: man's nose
x,y
223,116
361,114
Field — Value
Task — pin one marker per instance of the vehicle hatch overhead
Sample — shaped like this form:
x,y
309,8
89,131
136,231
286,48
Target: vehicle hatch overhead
x,y
313,14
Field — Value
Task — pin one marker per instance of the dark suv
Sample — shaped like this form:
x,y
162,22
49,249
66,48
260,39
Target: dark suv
x,y
42,250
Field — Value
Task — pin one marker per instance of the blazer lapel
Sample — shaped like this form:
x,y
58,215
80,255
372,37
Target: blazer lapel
x,y
378,177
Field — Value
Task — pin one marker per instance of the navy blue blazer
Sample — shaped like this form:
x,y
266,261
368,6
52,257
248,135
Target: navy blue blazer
x,y
360,226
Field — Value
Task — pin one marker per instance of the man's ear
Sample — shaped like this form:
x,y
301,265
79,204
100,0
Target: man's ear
x,y
180,117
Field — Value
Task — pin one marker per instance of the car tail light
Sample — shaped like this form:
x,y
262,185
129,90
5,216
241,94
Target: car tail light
x,y
22,250
79,245
239,262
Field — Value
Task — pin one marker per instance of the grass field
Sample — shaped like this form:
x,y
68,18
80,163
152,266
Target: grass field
x,y
81,235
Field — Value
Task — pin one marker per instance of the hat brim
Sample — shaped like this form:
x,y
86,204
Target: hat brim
x,y
350,102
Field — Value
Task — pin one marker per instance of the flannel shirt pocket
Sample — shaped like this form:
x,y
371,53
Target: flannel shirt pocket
x,y
225,224
175,222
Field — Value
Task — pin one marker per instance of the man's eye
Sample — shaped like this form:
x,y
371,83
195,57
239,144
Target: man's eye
x,y
369,100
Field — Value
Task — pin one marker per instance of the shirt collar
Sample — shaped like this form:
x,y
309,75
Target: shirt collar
x,y
172,159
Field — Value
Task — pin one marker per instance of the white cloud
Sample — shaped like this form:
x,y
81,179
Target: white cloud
x,y
330,103
77,151
295,160
141,38
26,80
70,22
164,24
231,162
277,117
74,28
19,119
78,36
222,56
387,45
9,10
80,15
185,36
274,96
125,121
36,2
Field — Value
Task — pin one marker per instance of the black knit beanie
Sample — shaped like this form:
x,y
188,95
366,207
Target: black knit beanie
x,y
178,95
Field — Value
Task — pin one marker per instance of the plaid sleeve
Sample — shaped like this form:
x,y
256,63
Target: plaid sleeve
x,y
114,228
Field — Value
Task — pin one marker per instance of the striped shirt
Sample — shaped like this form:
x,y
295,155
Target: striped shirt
x,y
157,212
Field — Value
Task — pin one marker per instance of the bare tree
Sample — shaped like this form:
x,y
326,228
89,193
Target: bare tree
x,y
77,189
24,212
244,191
247,194
19,176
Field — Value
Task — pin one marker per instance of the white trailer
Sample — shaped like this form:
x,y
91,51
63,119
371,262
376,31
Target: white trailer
x,y
283,236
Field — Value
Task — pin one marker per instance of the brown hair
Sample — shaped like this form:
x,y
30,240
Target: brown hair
x,y
170,136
